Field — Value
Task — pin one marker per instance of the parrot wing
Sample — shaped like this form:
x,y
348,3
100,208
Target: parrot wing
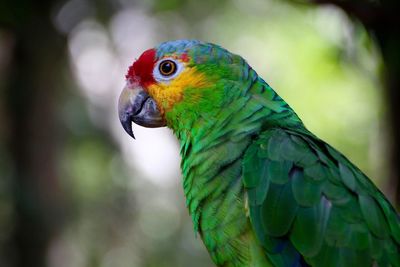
x,y
309,205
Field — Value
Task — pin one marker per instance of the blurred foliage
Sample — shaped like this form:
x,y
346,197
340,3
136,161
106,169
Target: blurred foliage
x,y
110,211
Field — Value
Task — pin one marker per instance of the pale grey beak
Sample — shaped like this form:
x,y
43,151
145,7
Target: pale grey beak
x,y
135,105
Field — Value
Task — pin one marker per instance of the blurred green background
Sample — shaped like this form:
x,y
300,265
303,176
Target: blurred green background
x,y
76,191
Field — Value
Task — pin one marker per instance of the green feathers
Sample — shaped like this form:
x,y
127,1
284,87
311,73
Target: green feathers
x,y
327,209
261,189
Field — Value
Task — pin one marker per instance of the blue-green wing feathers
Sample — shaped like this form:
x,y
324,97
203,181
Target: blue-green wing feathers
x,y
309,205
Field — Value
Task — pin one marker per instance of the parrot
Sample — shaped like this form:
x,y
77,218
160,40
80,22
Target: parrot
x,y
260,188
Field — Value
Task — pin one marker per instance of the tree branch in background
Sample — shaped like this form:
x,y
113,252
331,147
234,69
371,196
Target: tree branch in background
x,y
33,129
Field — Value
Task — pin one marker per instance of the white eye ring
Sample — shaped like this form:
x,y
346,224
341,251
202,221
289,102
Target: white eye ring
x,y
159,76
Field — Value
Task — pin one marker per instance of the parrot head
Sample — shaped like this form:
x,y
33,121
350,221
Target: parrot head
x,y
176,80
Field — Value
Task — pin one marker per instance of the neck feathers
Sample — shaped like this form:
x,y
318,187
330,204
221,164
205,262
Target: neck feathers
x,y
212,148
214,142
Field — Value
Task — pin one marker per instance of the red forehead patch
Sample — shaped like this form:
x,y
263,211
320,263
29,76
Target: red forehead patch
x,y
142,69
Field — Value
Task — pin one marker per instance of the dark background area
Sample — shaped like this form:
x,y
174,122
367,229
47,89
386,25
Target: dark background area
x,y
76,191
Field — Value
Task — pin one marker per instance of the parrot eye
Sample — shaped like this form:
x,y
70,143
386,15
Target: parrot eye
x,y
167,69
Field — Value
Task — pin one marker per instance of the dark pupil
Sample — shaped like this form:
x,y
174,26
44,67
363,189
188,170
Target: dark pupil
x,y
167,68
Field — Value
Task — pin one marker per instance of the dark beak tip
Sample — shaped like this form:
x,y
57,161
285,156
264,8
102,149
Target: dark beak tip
x,y
127,125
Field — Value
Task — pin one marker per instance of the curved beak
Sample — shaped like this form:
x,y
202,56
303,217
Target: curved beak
x,y
135,105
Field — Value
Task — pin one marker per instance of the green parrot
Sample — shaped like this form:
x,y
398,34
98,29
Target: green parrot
x,y
261,189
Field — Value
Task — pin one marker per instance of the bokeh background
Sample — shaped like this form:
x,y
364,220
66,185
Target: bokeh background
x,y
76,191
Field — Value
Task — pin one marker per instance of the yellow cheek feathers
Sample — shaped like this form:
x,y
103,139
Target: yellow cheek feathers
x,y
166,94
